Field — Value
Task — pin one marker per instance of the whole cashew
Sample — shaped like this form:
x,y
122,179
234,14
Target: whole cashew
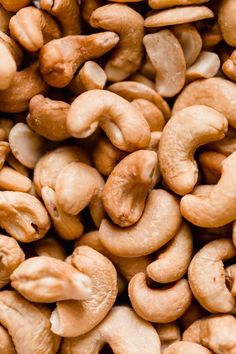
x,y
6,344
186,348
14,6
50,247
167,304
211,164
183,134
150,233
163,4
116,116
226,21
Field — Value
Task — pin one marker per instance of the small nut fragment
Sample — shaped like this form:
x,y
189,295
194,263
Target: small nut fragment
x,y
206,66
229,66
226,20
4,150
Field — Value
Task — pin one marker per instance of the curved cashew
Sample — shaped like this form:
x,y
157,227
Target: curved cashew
x,y
66,12
182,135
169,63
168,304
4,151
186,348
144,237
173,261
168,333
122,19
6,344
50,247
229,66
127,187
207,92
14,6
121,329
5,17
7,67
47,279
206,66
151,113
14,181
23,216
207,277
74,318
124,125
163,4
48,117
211,164
226,21
193,207
58,65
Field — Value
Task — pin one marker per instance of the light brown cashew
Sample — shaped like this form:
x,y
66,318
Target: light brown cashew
x,y
128,24
23,216
207,277
16,165
182,135
7,67
163,4
127,187
178,16
66,12
67,226
25,84
207,92
205,67
48,117
159,305
50,247
124,125
46,279
211,165
151,113
227,145
74,318
186,348
125,332
168,333
27,324
230,274
226,21
172,262
229,66
4,151
14,181
193,207
58,65
138,77
169,63
5,17
150,233
211,36
78,186
6,344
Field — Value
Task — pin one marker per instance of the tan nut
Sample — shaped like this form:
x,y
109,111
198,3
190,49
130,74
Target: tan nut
x,y
172,262
151,113
192,333
5,17
58,65
230,273
168,333
8,67
168,304
207,277
205,67
162,4
6,344
226,21
150,233
127,187
182,135
227,145
186,348
4,151
229,66
122,19
6,124
193,314
74,318
14,181
50,247
124,125
211,165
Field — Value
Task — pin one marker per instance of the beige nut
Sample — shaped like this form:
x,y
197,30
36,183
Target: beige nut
x,y
127,187
192,333
6,124
4,151
58,65
50,247
207,276
13,48
151,113
168,333
169,64
162,4
182,135
6,344
7,67
226,21
229,66
205,67
75,318
128,24
124,125
186,348
211,165
14,181
168,304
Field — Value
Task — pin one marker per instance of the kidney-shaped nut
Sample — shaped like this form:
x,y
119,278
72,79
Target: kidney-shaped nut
x,y
186,348
226,21
13,47
127,187
128,24
167,57
167,304
151,113
46,279
207,276
182,135
211,165
163,4
50,247
74,318
23,216
206,66
6,344
172,262
229,66
7,67
150,233
58,65
124,125
125,332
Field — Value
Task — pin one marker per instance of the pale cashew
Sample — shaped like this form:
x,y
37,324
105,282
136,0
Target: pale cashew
x,y
127,187
172,262
163,4
168,333
125,332
50,247
74,318
4,151
5,17
124,125
14,181
169,63
205,67
7,67
229,66
58,65
211,165
138,77
193,207
151,113
6,344
227,145
23,216
128,24
230,274
144,237
207,276
182,135
226,21
186,348
167,304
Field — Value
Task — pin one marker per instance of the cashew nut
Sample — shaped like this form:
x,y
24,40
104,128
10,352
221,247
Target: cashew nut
x,y
205,67
138,77
229,66
186,348
4,151
226,21
7,67
5,17
230,273
13,5
14,181
211,36
211,164
227,145
168,333
50,247
163,4
6,344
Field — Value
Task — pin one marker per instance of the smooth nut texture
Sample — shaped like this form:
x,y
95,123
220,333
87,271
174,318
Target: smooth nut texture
x,y
162,4
187,348
13,180
226,21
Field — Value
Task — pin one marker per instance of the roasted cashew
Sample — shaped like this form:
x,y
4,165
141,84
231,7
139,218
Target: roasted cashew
x,y
229,66
124,125
192,333
74,318
58,65
144,237
182,135
186,348
211,165
168,304
13,5
8,67
14,181
205,67
226,21
88,7
168,333
151,113
50,247
163,4
128,24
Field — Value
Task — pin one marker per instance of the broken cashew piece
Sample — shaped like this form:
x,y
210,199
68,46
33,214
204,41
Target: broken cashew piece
x,y
205,67
186,348
163,4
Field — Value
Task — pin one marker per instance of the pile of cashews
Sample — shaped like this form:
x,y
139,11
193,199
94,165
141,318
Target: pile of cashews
x,y
118,177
